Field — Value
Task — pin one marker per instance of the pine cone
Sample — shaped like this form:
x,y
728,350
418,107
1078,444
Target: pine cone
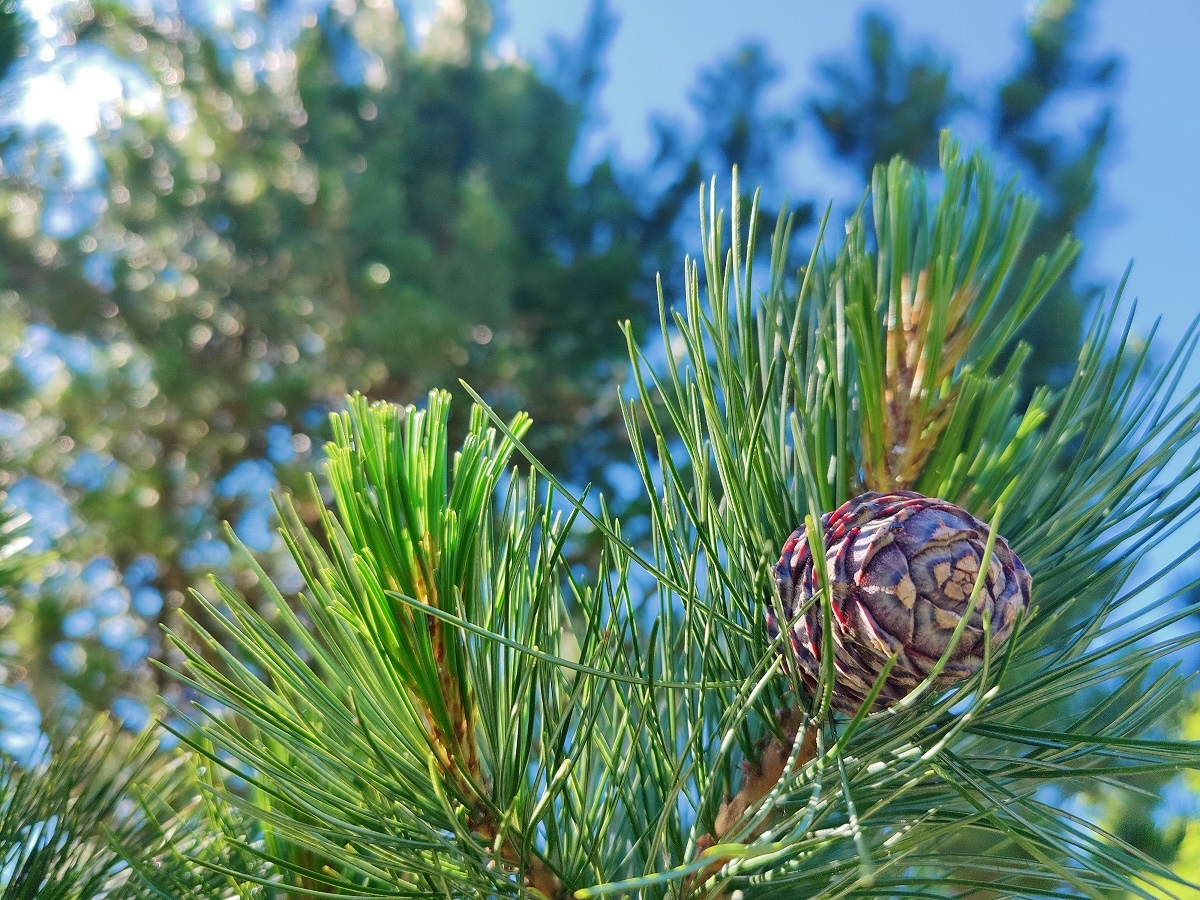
x,y
901,567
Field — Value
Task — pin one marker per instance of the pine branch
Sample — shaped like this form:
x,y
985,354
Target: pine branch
x,y
70,820
452,709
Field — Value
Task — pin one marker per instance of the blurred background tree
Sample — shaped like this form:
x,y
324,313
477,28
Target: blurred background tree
x,y
285,212
283,203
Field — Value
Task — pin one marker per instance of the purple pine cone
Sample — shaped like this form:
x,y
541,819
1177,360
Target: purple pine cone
x,y
901,567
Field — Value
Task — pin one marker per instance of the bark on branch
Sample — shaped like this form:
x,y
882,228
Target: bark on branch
x,y
758,779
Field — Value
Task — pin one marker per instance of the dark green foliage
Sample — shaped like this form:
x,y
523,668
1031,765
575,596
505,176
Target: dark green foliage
x,y
1062,168
11,35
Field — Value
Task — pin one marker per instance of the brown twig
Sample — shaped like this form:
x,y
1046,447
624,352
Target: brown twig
x,y
534,870
539,877
759,778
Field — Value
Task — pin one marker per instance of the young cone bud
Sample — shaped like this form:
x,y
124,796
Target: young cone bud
x,y
901,568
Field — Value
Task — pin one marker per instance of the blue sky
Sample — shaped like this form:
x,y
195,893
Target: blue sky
x,y
1149,199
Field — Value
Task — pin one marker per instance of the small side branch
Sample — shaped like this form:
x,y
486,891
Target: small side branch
x,y
759,779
